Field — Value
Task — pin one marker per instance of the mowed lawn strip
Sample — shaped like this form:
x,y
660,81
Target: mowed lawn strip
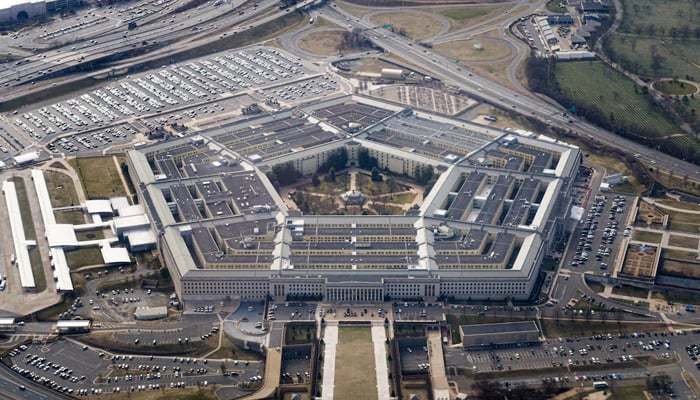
x,y
355,376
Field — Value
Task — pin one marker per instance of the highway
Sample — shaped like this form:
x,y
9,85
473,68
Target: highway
x,y
159,30
166,30
498,95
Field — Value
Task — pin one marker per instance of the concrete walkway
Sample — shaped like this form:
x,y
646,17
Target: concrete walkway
x,y
380,365
330,340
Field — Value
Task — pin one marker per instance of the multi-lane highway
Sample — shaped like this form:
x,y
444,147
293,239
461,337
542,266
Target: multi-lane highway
x,y
160,29
170,31
530,105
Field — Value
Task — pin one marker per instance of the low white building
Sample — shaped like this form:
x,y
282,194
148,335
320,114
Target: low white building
x,y
150,313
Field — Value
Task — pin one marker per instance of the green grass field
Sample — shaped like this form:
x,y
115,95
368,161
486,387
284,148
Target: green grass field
x,y
662,15
644,236
612,92
99,176
634,53
354,363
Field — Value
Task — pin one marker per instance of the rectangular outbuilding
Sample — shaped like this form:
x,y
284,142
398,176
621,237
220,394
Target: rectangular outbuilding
x,y
73,326
507,334
148,313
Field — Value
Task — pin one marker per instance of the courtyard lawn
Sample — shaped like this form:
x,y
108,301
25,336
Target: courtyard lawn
x,y
355,376
61,189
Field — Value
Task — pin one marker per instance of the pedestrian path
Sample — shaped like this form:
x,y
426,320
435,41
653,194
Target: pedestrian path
x,y
380,366
330,340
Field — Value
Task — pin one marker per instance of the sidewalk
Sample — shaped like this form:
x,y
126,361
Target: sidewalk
x,y
330,340
380,365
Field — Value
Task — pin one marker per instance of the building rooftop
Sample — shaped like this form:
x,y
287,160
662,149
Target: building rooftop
x,y
497,329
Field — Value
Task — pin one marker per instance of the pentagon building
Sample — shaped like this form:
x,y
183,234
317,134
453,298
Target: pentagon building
x,y
481,232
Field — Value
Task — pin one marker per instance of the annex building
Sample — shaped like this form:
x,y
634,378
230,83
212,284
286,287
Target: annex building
x,y
481,232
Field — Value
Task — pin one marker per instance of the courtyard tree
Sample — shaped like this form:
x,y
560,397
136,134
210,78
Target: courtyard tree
x,y
331,175
365,160
376,176
314,179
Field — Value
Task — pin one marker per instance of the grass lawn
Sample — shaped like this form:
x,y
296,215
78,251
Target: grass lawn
x,y
683,241
495,71
193,348
631,291
676,297
355,376
645,236
190,393
25,210
37,269
387,209
628,393
675,87
75,217
93,234
678,204
400,198
679,254
683,222
463,17
613,94
61,189
596,287
322,42
340,185
555,6
99,177
417,26
464,50
82,257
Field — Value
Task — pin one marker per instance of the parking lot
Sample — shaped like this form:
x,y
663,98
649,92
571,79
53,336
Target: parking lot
x,y
114,113
296,364
604,356
75,369
596,239
119,304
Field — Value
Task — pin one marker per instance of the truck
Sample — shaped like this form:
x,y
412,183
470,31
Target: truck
x,y
600,385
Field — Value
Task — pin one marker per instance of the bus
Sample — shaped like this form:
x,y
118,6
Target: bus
x,y
600,385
